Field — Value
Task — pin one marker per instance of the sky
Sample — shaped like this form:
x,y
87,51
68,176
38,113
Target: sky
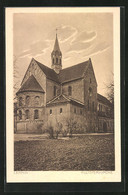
x,y
81,36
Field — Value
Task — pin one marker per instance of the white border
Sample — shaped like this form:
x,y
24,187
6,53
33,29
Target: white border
x,y
60,176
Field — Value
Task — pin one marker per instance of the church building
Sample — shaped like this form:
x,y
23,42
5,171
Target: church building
x,y
49,96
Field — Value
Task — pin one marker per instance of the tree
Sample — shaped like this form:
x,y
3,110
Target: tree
x,y
110,90
110,95
58,129
15,77
71,125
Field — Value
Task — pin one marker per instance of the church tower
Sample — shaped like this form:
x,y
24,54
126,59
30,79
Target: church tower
x,y
56,57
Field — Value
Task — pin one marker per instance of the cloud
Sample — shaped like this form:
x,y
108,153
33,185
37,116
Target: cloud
x,y
36,48
85,36
77,47
23,56
91,49
66,58
96,50
68,33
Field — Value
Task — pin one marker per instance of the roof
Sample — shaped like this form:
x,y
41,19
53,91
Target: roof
x,y
62,99
103,99
31,85
73,72
50,73
66,74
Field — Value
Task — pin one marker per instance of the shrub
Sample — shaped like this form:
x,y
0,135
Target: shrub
x,y
39,128
58,129
50,132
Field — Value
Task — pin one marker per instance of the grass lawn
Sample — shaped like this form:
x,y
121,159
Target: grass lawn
x,y
86,152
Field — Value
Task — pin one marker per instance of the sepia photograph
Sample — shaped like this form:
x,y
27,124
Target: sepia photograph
x,y
64,95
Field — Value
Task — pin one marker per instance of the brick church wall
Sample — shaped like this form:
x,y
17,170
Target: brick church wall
x,y
50,89
30,125
77,89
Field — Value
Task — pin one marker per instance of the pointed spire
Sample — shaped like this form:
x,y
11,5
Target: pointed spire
x,y
56,56
56,45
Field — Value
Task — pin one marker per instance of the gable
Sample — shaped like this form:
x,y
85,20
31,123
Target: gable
x,y
33,69
89,73
50,73
62,99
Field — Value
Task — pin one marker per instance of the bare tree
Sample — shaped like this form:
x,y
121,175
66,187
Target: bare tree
x,y
71,125
15,77
110,90
110,95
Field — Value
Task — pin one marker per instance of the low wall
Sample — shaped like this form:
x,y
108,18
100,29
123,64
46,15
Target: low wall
x,y
29,127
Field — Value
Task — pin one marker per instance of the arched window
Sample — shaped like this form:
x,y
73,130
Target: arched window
x,y
60,60
57,60
60,110
50,111
93,107
20,115
88,106
90,80
37,100
27,114
69,90
99,107
36,114
90,91
20,101
74,110
27,101
55,89
53,60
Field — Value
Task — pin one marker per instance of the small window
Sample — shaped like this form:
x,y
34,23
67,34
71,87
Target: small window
x,y
27,114
74,110
99,107
27,100
20,101
57,60
55,89
20,115
90,91
90,80
36,114
60,60
50,111
69,90
81,111
37,100
60,110
53,61
88,106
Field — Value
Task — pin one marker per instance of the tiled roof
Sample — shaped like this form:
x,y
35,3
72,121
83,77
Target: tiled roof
x,y
66,74
31,85
103,99
73,72
50,73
